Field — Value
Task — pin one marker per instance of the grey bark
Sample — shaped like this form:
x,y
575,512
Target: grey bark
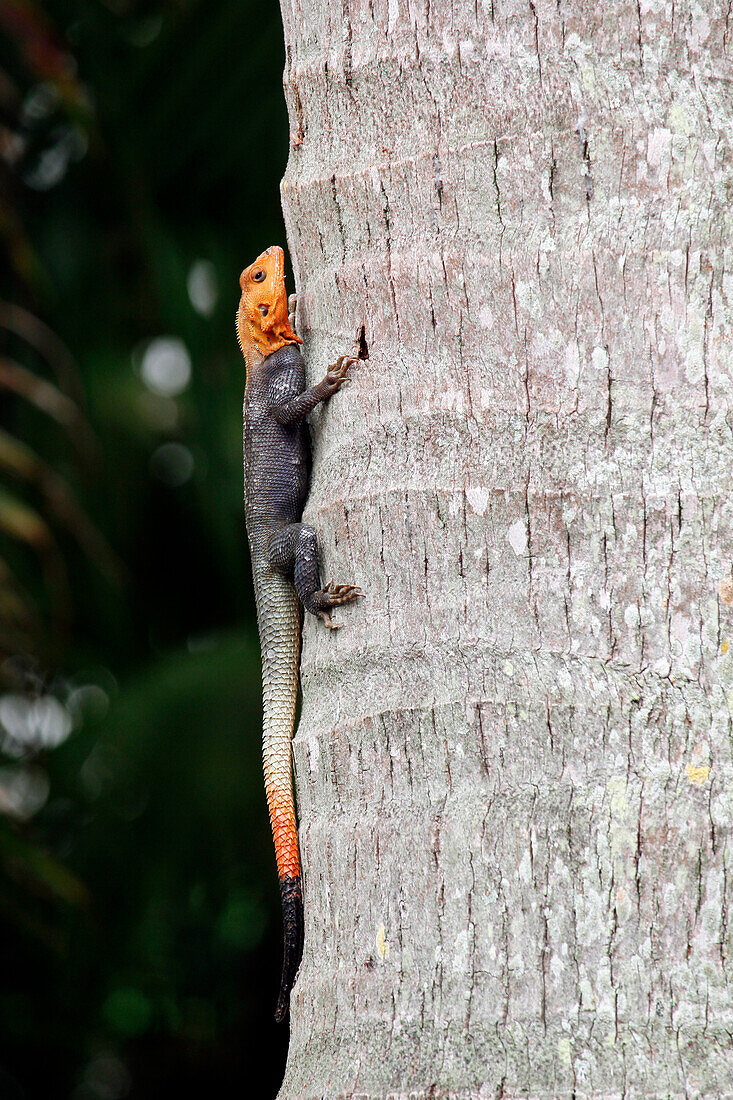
x,y
514,759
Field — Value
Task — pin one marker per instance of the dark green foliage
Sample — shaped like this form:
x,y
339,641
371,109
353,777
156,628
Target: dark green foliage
x,y
139,915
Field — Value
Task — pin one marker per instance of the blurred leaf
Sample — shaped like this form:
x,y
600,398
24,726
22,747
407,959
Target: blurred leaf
x,y
19,617
25,525
168,975
61,503
44,340
40,871
42,50
48,399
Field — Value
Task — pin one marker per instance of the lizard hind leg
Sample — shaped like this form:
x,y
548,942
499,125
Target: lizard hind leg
x,y
293,552
306,575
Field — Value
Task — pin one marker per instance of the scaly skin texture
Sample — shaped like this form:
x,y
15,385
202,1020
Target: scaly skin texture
x,y
284,551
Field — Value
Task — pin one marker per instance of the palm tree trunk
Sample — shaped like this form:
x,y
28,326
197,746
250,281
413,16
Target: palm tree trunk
x,y
514,759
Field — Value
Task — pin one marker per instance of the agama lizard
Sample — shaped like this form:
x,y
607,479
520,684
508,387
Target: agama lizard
x,y
284,551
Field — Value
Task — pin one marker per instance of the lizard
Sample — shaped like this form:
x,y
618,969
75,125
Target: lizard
x,y
283,550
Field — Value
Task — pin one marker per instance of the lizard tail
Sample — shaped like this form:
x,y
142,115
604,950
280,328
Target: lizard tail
x,y
292,899
280,639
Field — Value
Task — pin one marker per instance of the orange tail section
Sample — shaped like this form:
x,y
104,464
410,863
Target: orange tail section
x,y
285,834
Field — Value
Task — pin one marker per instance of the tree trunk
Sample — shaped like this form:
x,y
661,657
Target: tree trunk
x,y
514,760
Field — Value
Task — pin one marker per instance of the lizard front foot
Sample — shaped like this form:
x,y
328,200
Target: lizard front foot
x,y
333,595
336,375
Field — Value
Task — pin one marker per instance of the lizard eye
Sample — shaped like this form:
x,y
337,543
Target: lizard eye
x,y
258,276
264,311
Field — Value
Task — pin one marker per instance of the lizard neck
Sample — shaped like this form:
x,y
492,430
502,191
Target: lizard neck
x,y
257,345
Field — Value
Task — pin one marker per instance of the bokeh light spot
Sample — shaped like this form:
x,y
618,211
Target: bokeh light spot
x,y
107,1078
166,366
203,288
128,1011
241,922
172,463
88,701
23,792
33,724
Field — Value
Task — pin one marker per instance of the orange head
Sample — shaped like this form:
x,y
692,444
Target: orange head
x,y
262,318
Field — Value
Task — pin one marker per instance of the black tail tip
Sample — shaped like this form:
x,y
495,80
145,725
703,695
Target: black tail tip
x,y
292,899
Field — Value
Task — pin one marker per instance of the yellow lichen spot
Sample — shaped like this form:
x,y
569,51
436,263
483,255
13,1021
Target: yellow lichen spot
x,y
564,1050
697,773
382,945
724,647
679,120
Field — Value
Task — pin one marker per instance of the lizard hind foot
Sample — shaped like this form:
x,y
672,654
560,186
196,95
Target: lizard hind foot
x,y
333,595
336,594
292,901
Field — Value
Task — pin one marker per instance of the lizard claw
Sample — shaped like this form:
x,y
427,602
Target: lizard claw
x,y
335,594
292,304
336,373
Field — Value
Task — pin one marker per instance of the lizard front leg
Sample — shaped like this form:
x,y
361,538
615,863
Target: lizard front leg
x,y
298,407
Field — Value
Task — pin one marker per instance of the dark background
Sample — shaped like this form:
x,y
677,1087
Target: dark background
x,y
141,148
